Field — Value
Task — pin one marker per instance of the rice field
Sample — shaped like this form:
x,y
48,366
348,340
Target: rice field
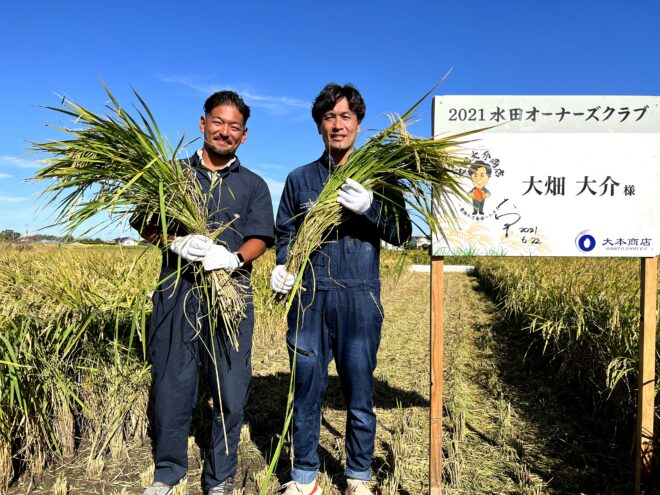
x,y
583,314
71,350
74,379
74,384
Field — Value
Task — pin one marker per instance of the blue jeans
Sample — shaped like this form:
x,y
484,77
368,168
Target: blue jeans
x,y
178,352
344,325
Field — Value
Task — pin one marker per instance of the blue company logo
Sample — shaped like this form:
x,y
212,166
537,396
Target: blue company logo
x,y
585,241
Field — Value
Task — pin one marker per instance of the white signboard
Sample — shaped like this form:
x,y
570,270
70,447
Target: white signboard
x,y
556,176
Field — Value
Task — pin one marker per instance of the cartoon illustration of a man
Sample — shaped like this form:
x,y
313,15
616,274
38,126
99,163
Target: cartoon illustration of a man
x,y
479,174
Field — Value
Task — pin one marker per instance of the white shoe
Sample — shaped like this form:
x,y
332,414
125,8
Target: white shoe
x,y
357,487
158,488
295,488
224,488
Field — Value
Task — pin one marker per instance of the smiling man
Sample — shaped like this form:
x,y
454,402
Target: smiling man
x,y
339,314
180,339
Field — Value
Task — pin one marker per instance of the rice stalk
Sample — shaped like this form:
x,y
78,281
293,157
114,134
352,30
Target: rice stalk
x,y
95,467
118,447
6,468
55,319
136,426
123,166
34,383
399,450
454,462
181,488
61,485
324,481
147,475
64,426
245,436
389,485
504,425
261,478
584,314
110,390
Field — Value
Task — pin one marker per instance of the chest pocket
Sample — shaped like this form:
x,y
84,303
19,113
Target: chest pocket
x,y
355,236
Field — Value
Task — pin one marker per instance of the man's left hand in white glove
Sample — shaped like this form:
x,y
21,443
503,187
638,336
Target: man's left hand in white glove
x,y
355,197
220,257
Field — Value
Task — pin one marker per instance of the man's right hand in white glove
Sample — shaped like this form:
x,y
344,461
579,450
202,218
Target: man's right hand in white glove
x,y
355,197
191,247
281,281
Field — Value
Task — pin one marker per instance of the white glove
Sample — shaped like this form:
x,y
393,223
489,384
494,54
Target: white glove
x,y
281,281
191,247
220,257
353,196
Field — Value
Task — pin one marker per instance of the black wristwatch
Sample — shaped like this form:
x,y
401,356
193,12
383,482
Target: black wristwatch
x,y
239,257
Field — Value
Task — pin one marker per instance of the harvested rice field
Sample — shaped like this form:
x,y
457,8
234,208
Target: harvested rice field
x,y
512,423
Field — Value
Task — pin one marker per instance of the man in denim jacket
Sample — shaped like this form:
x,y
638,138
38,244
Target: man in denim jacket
x,y
339,314
180,337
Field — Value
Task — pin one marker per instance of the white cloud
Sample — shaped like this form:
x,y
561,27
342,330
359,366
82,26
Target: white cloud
x,y
270,166
17,161
275,104
13,199
275,186
4,176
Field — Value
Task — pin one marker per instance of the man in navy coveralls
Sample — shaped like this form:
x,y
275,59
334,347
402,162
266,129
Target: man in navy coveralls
x,y
179,338
341,315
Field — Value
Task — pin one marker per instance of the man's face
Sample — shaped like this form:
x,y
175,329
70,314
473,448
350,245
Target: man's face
x,y
224,130
339,127
479,177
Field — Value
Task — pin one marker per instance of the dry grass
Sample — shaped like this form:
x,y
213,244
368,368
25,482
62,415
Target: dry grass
x,y
61,486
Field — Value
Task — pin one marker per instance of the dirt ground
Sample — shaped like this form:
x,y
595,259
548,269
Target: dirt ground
x,y
507,428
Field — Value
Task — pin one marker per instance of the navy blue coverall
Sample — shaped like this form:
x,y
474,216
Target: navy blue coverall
x,y
179,335
339,316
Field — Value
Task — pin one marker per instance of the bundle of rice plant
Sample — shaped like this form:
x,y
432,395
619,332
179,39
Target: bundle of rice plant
x,y
122,165
393,163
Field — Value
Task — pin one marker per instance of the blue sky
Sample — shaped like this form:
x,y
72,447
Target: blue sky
x,y
278,55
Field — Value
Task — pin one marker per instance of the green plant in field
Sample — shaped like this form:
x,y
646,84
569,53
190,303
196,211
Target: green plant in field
x,y
110,392
35,381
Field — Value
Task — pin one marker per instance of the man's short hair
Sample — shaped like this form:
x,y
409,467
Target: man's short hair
x,y
479,164
331,94
227,98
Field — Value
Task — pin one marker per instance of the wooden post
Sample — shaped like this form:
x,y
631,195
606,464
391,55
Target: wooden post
x,y
437,342
646,377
